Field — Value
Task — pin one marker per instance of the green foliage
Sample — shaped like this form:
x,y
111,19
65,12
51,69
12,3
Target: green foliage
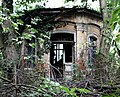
x,y
81,4
81,0
117,40
46,87
23,5
114,93
112,39
50,89
115,18
77,74
115,23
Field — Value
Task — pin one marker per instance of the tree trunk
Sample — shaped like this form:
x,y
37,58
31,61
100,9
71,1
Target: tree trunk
x,y
103,8
1,39
102,72
10,51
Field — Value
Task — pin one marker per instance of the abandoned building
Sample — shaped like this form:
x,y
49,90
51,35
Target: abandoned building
x,y
74,41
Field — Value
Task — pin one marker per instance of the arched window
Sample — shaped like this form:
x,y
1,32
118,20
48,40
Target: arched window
x,y
92,47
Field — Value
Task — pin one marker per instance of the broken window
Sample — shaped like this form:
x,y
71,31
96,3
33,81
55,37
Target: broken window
x,y
58,52
92,49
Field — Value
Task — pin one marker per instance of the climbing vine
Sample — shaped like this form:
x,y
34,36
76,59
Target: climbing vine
x,y
20,23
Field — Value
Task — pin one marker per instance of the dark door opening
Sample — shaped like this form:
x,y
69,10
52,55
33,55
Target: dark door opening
x,y
68,53
56,60
61,52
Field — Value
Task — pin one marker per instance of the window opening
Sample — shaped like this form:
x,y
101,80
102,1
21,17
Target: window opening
x,y
68,53
58,52
92,49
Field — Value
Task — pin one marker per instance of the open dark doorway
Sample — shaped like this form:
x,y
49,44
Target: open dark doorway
x,y
68,53
61,52
56,59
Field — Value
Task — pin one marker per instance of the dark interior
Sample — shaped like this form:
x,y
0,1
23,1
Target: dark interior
x,y
61,50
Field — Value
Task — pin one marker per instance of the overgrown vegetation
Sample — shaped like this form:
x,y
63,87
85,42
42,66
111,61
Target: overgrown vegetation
x,y
17,82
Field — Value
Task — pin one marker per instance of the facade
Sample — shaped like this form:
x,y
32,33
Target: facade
x,y
75,39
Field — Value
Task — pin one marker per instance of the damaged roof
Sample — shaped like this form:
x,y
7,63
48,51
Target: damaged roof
x,y
62,11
